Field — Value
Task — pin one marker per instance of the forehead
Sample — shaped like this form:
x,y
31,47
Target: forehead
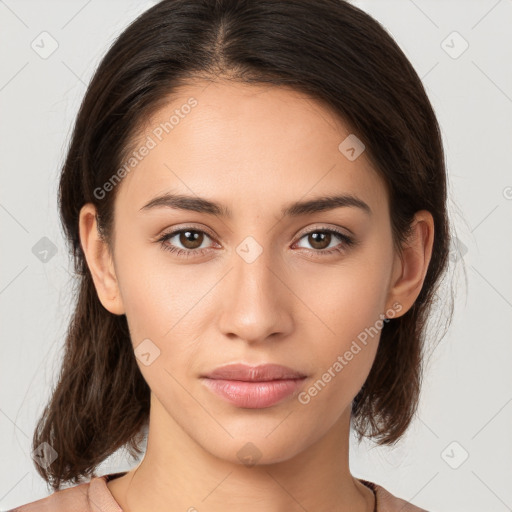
x,y
246,145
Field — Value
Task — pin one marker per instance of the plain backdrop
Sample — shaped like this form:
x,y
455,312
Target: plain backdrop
x,y
457,455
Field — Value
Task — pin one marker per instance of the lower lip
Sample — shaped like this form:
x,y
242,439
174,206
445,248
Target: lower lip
x,y
253,395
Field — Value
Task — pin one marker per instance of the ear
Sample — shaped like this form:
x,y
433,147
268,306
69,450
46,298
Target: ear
x,y
410,268
99,260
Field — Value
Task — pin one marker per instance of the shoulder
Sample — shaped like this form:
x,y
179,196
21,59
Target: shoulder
x,y
84,497
387,502
65,499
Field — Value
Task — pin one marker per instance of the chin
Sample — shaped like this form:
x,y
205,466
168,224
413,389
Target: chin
x,y
257,450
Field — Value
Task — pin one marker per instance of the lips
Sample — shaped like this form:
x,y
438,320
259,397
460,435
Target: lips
x,y
261,373
254,387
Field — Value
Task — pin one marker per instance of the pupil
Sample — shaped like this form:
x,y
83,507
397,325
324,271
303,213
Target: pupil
x,y
320,244
192,242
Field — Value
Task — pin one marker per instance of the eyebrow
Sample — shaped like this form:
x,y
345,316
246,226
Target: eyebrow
x,y
295,209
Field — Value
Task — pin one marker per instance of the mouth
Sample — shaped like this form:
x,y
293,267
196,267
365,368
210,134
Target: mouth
x,y
261,373
254,387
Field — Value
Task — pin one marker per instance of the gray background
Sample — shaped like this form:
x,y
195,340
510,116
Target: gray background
x,y
457,455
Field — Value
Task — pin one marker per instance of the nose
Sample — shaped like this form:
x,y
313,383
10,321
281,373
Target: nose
x,y
258,302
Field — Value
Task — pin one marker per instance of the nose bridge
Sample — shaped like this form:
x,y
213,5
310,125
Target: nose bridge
x,y
254,265
256,305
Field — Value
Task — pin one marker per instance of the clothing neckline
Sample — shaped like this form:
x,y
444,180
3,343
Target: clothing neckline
x,y
373,487
113,476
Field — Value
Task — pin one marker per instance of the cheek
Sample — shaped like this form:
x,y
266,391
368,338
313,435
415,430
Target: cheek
x,y
164,304
161,323
343,354
152,292
344,332
341,302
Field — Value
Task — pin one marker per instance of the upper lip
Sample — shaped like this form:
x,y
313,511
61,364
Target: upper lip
x,y
263,372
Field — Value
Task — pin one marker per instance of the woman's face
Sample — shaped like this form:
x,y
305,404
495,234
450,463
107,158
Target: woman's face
x,y
253,286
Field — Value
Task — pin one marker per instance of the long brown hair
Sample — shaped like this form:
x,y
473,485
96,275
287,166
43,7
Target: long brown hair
x,y
328,49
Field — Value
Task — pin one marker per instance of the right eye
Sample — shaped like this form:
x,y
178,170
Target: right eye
x,y
191,240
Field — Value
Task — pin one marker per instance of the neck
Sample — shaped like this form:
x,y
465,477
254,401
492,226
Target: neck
x,y
177,473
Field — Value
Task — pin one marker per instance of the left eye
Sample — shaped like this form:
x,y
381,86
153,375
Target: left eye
x,y
192,240
320,239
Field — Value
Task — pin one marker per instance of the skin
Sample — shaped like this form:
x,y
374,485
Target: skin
x,y
245,146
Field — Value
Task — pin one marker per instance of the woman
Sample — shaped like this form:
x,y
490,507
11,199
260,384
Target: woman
x,y
251,194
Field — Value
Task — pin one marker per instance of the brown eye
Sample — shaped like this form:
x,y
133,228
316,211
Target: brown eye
x,y
323,242
185,242
319,239
191,239
188,242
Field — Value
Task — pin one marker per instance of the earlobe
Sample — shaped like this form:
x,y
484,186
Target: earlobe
x,y
99,261
410,268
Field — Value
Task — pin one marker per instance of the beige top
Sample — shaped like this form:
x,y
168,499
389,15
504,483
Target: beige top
x,y
95,496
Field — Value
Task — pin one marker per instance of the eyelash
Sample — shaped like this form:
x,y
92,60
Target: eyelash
x,y
347,242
